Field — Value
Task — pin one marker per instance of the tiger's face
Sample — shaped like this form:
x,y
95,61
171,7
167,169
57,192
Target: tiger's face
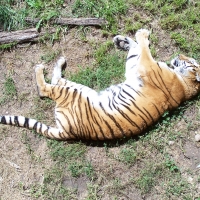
x,y
187,67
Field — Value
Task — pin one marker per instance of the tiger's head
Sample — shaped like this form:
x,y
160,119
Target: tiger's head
x,y
187,67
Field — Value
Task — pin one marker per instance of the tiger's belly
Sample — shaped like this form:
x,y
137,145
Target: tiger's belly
x,y
101,122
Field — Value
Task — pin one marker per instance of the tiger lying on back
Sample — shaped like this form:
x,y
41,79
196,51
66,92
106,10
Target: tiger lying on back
x,y
121,110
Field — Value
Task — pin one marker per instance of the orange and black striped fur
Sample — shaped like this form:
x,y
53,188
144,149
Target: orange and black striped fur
x,y
121,110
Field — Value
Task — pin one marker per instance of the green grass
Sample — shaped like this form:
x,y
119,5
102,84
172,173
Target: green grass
x,y
49,56
11,18
94,76
9,90
7,46
38,111
109,10
74,156
180,18
52,187
68,158
13,14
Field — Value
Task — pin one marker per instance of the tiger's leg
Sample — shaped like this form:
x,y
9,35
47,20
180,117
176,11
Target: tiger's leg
x,y
127,44
57,72
41,84
146,58
57,79
45,89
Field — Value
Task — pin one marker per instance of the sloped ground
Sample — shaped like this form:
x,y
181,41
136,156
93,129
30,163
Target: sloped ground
x,y
159,165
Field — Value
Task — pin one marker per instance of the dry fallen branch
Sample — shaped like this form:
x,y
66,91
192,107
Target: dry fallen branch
x,y
21,36
18,36
73,21
32,34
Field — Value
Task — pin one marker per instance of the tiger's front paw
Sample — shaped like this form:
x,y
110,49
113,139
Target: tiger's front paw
x,y
124,43
121,42
142,35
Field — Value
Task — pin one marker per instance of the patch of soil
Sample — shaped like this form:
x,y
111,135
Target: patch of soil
x,y
19,169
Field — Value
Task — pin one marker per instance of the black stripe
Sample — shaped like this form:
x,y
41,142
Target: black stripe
x,y
149,114
109,104
73,118
81,115
69,124
132,56
139,109
114,120
47,134
90,111
92,116
10,121
111,130
16,120
88,119
128,108
3,120
123,101
157,109
144,121
113,103
138,114
122,95
65,98
128,119
133,89
40,129
53,92
99,128
101,120
80,130
159,67
167,89
26,123
57,91
160,89
35,126
62,135
74,96
128,94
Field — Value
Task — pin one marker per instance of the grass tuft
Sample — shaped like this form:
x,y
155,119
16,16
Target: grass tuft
x,y
105,9
9,90
95,76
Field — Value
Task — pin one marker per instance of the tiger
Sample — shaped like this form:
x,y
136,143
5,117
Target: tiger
x,y
124,110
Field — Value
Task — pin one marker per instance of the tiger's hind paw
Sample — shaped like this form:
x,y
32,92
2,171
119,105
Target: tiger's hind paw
x,y
142,35
121,42
61,62
39,68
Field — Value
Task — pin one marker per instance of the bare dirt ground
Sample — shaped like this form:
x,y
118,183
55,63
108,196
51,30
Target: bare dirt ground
x,y
16,166
18,169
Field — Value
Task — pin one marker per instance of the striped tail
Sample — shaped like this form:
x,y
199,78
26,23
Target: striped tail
x,y
40,128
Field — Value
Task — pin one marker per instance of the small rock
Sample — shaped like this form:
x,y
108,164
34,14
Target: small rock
x,y
197,137
171,143
190,180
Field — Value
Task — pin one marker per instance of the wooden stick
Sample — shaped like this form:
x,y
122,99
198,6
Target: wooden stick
x,y
18,36
32,34
73,21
